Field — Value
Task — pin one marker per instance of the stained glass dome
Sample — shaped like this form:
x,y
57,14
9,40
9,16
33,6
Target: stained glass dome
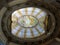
x,y
29,22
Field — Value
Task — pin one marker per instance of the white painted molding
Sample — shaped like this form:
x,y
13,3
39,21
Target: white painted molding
x,y
16,2
11,43
2,37
57,39
2,11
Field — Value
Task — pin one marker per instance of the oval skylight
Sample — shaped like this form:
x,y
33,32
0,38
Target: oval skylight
x,y
29,22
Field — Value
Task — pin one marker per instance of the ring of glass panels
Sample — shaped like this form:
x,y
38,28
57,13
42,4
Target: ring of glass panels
x,y
29,22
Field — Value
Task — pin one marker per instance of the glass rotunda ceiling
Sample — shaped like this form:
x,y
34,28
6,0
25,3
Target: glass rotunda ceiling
x,y
29,22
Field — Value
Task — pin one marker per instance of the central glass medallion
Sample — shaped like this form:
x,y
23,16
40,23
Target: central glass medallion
x,y
28,21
